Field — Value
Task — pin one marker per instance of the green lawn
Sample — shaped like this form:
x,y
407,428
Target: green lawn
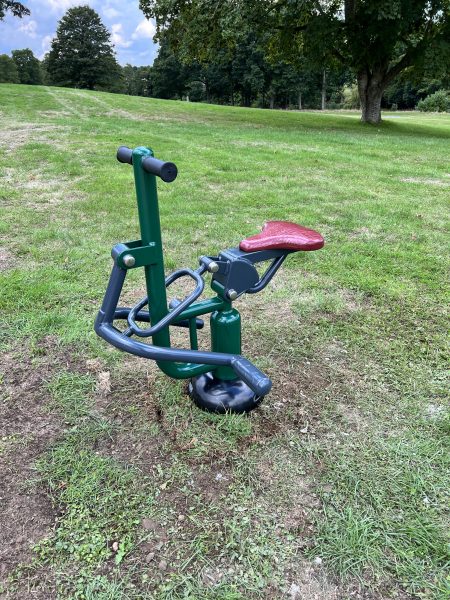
x,y
112,485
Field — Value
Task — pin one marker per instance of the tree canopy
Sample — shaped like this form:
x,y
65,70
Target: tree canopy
x,y
28,66
8,70
376,39
81,54
15,8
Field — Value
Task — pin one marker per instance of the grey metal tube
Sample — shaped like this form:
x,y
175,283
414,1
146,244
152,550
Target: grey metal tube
x,y
243,368
253,377
268,275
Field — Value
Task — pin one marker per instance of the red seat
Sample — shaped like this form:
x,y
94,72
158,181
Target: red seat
x,y
283,235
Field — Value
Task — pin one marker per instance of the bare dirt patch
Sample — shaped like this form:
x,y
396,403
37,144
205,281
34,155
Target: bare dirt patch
x,y
435,411
17,135
124,114
52,114
41,191
309,583
296,401
26,514
423,181
7,259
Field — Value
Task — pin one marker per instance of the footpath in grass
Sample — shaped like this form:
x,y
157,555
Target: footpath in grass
x,y
112,484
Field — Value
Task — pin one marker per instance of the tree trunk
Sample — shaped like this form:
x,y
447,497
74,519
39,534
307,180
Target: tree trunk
x,y
371,87
324,90
272,102
299,101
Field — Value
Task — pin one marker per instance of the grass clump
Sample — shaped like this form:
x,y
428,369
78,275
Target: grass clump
x,y
101,504
384,507
200,433
70,393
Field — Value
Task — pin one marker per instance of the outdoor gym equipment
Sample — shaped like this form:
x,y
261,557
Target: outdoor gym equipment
x,y
220,380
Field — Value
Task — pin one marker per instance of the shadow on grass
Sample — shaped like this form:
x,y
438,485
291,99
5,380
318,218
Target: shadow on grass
x,y
335,121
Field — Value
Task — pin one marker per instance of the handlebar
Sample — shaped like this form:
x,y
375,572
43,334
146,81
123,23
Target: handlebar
x,y
248,372
174,313
167,171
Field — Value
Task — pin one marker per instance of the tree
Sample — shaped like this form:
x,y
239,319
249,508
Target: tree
x,y
169,75
216,78
377,39
137,80
28,66
8,70
15,8
81,54
248,69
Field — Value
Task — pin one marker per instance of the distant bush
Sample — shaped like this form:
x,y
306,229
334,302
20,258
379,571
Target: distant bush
x,y
437,102
350,97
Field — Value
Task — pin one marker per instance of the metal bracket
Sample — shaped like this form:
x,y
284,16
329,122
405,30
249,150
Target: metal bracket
x,y
238,275
131,255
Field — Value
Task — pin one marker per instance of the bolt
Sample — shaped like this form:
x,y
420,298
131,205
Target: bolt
x,y
129,260
213,267
232,294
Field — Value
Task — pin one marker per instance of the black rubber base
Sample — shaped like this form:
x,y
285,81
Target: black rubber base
x,y
221,396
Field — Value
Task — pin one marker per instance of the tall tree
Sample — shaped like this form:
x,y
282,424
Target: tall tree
x,y
377,39
15,8
169,75
81,54
8,70
248,69
28,66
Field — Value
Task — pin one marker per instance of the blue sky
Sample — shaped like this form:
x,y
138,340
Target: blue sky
x,y
131,33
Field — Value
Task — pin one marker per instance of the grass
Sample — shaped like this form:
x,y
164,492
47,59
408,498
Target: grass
x,y
338,484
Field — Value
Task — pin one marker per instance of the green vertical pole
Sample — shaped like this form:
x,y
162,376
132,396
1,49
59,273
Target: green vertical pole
x,y
226,337
147,200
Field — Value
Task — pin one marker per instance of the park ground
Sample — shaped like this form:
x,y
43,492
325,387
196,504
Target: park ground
x,y
112,485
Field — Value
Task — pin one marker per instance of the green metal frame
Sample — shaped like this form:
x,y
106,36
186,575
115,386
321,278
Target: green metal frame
x,y
148,253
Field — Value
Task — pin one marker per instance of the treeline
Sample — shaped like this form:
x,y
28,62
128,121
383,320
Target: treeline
x,y
82,56
247,78
243,77
21,67
242,81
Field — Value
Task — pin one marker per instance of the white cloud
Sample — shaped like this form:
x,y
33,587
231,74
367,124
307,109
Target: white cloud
x,y
110,12
117,37
29,28
145,29
45,45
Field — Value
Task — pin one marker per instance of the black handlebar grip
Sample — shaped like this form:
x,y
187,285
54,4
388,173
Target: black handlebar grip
x,y
166,170
253,377
125,155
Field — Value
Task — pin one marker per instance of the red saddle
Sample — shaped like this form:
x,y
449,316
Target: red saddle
x,y
283,235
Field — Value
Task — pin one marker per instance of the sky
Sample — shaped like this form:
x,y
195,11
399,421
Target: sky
x,y
131,33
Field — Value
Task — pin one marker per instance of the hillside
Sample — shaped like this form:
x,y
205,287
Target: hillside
x,y
113,484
